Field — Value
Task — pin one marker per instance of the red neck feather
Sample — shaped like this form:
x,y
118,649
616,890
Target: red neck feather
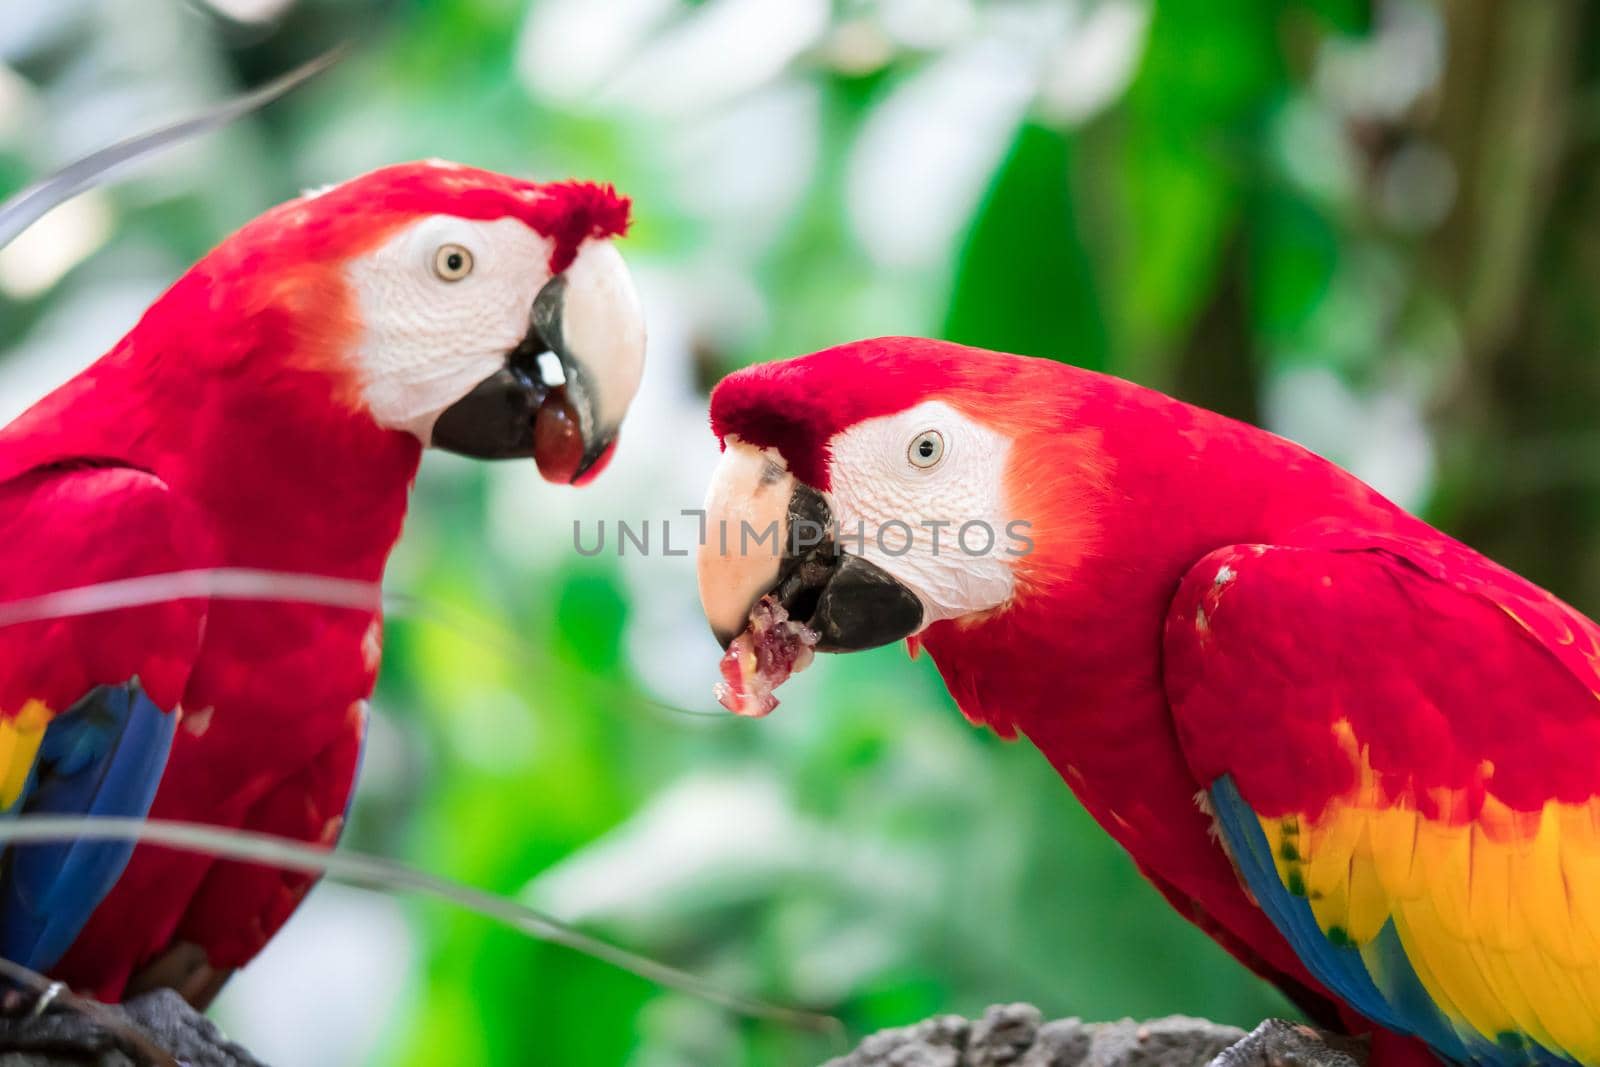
x,y
232,390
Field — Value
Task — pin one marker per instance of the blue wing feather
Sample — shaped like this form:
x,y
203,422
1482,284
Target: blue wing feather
x,y
1397,998
1337,967
104,756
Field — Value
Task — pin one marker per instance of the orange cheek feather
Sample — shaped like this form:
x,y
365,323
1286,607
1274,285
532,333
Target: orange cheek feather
x,y
1053,483
326,327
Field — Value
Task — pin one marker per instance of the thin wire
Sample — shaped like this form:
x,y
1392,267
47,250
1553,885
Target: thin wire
x,y
244,583
213,583
376,872
32,203
262,585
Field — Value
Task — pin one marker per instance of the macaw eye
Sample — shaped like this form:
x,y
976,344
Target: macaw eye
x,y
452,263
927,449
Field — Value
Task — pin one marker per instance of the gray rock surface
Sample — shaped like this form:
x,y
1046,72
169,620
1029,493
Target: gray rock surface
x,y
1007,1035
68,1038
1015,1035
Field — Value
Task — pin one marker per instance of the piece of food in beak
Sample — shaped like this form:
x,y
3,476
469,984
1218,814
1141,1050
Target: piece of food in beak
x,y
840,602
771,648
558,439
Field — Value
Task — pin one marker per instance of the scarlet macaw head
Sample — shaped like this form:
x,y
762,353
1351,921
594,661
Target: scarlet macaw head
x,y
482,314
914,483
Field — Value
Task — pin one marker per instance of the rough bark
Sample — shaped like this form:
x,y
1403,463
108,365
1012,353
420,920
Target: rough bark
x,y
1007,1035
1015,1035
130,1036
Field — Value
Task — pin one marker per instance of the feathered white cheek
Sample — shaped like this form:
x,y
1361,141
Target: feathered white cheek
x,y
425,346
422,359
957,559
433,328
920,495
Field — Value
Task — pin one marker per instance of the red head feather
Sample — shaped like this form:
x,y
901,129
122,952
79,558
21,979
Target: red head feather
x,y
357,215
263,321
797,406
570,213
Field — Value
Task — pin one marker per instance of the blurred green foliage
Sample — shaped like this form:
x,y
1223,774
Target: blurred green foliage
x,y
1373,227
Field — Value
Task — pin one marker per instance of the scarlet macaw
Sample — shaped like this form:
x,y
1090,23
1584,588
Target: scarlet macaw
x,y
268,414
1358,754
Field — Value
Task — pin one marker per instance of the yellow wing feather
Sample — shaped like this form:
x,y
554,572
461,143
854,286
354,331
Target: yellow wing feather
x,y
20,736
1483,908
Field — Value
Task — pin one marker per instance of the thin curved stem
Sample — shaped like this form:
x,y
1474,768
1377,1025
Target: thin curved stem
x,y
376,872
32,203
244,583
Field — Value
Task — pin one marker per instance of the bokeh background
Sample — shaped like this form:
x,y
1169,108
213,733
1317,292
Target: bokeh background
x,y
1373,227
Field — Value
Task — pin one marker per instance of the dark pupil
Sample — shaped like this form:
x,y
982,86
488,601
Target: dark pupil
x,y
925,449
453,261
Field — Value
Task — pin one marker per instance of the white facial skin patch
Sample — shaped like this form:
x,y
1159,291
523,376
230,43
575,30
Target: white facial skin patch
x,y
923,489
431,331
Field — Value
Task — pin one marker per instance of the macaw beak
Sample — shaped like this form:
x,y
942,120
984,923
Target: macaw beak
x,y
564,389
768,533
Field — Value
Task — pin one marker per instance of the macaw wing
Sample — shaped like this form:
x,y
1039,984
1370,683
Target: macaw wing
x,y
87,700
1400,742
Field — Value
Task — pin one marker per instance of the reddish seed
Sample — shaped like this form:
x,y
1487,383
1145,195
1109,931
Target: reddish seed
x,y
557,440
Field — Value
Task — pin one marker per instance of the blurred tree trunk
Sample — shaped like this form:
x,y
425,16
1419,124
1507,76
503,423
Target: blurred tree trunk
x,y
1520,433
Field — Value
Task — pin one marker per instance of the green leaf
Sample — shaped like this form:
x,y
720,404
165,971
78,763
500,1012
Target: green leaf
x,y
1350,17
1294,255
1211,75
1024,282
